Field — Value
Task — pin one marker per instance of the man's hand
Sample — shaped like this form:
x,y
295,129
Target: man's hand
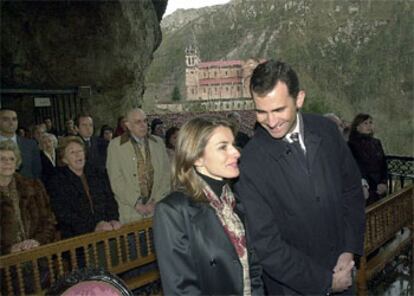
x,y
103,226
342,279
150,207
24,245
343,260
382,189
141,209
147,209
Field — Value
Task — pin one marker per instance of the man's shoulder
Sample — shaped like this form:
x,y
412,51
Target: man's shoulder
x,y
117,141
318,121
27,146
26,142
156,139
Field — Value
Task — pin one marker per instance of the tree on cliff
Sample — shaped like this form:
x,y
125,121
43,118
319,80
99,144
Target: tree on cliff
x,y
176,95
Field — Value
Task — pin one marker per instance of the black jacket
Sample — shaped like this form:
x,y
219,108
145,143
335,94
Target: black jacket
x,y
96,152
48,169
71,205
371,161
31,166
194,254
302,216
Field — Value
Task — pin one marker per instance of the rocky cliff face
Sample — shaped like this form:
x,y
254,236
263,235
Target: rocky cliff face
x,y
105,44
351,55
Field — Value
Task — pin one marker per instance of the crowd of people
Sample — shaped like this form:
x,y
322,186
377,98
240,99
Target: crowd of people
x,y
279,213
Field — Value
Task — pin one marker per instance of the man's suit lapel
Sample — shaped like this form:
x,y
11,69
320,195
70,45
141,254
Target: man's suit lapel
x,y
312,140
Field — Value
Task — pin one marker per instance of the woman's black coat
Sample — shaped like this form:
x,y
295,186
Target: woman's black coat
x,y
71,205
195,256
370,157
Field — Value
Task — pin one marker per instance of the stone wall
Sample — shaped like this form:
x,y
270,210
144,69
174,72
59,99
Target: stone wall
x,y
107,45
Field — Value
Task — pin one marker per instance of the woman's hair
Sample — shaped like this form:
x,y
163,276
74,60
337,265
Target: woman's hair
x,y
11,146
105,128
64,142
170,132
52,137
191,143
360,118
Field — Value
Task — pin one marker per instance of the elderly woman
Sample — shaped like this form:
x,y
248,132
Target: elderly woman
x,y
80,195
26,218
48,145
199,232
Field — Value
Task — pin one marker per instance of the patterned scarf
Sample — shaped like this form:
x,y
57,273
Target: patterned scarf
x,y
233,227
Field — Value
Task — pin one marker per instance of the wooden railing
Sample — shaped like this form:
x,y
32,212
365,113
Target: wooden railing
x,y
400,171
384,219
126,249
131,247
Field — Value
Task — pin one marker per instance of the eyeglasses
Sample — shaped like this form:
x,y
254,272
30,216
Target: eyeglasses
x,y
4,159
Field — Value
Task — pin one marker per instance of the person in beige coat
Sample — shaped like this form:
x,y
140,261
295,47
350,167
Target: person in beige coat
x,y
138,169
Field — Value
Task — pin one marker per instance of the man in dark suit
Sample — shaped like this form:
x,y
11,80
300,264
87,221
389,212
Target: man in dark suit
x,y
31,166
301,189
96,148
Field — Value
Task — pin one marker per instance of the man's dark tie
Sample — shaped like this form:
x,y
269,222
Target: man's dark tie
x,y
295,144
88,143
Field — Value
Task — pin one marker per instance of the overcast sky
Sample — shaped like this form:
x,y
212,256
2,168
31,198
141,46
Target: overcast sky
x,y
175,4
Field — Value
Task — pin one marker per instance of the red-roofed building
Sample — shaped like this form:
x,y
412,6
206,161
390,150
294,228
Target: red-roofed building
x,y
216,80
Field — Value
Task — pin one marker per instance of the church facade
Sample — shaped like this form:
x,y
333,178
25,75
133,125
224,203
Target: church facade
x,y
215,81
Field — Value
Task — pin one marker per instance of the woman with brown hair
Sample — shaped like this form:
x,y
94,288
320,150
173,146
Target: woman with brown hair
x,y
26,217
199,234
81,196
370,156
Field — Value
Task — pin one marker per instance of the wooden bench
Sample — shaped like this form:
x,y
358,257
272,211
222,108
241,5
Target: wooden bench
x,y
384,219
117,251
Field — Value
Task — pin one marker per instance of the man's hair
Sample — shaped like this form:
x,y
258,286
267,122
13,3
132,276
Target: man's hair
x,y
191,143
266,75
131,111
79,116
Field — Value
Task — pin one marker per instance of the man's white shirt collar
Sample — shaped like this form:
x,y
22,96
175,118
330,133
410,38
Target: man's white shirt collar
x,y
298,130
